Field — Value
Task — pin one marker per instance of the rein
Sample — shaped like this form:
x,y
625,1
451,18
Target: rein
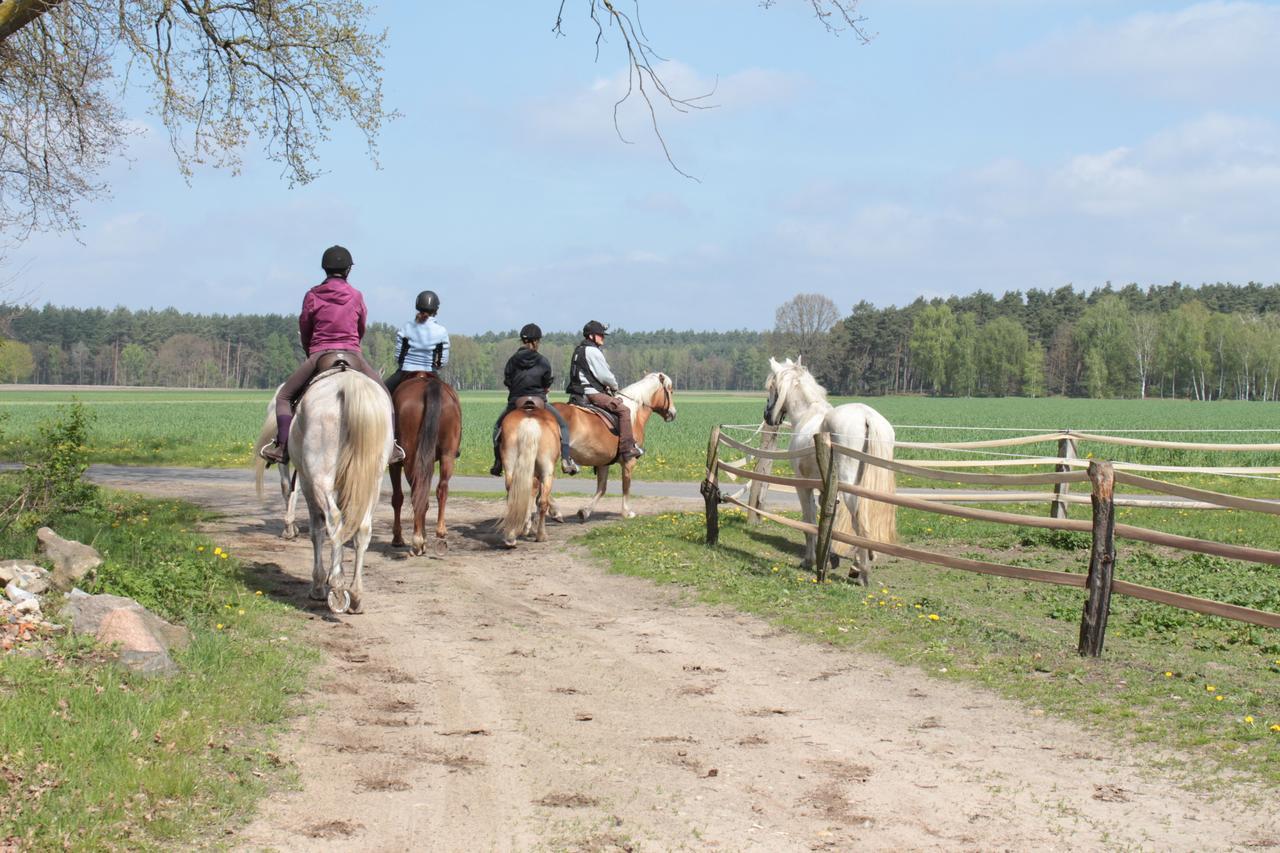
x,y
664,409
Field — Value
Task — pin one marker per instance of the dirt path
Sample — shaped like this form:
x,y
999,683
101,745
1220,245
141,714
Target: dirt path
x,y
526,700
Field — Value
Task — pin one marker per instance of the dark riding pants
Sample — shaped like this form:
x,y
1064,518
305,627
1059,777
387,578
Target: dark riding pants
x,y
626,439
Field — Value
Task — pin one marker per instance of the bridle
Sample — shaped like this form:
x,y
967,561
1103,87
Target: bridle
x,y
664,409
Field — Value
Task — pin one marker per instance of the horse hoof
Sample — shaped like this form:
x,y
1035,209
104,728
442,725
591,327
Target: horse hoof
x,y
441,547
508,543
557,518
630,515
289,533
397,542
317,594
339,600
583,515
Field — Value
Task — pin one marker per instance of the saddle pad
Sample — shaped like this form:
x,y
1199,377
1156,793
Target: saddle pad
x,y
609,418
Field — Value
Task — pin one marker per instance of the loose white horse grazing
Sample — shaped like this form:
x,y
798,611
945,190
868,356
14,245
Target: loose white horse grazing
x,y
794,395
288,479
339,444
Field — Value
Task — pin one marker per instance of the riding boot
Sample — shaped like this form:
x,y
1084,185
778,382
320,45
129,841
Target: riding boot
x,y
397,452
279,451
496,470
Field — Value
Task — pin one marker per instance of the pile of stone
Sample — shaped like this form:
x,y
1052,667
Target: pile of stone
x,y
143,640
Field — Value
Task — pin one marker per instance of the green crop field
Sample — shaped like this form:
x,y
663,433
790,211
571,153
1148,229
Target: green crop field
x,y
216,428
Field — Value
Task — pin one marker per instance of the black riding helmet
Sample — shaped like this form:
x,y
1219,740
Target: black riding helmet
x,y
335,259
595,327
530,332
427,302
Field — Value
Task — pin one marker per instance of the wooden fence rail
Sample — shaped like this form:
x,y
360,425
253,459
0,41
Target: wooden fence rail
x,y
1103,477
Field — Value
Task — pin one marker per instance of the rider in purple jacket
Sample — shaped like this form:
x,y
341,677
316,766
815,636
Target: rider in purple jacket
x,y
332,321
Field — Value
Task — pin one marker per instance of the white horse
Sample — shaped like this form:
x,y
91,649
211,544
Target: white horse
x,y
288,479
796,396
339,444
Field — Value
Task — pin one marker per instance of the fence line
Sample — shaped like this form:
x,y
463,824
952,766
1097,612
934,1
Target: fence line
x,y
1099,582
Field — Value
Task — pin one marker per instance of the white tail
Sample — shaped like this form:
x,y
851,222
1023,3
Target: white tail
x,y
876,519
520,493
366,426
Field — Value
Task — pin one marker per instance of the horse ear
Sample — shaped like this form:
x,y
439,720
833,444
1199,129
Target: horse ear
x,y
774,365
799,361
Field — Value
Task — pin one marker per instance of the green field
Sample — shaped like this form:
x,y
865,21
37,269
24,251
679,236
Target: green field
x,y
216,428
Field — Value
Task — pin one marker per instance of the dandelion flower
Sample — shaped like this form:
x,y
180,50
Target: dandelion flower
x,y
1168,675
223,555
934,617
1249,720
219,626
259,592
1219,698
1276,727
1209,688
241,612
199,547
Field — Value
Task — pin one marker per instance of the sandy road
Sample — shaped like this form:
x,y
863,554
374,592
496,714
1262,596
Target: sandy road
x,y
527,700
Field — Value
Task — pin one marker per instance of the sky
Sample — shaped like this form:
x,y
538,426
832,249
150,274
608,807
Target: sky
x,y
987,145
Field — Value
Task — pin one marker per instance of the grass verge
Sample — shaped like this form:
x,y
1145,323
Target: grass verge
x,y
1204,686
94,757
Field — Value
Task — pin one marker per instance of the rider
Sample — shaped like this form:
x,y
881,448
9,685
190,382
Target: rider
x,y
422,343
591,378
528,374
332,321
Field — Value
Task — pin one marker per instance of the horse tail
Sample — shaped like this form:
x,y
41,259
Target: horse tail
x,y
428,436
878,520
265,436
520,494
366,428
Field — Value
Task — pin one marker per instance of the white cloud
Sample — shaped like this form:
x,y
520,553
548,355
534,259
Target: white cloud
x,y
1214,50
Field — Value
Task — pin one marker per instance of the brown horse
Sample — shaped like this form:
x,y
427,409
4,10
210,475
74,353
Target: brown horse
x,y
530,449
430,419
593,444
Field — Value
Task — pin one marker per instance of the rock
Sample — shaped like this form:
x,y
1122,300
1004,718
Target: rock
x,y
16,593
29,606
29,576
9,569
71,560
144,638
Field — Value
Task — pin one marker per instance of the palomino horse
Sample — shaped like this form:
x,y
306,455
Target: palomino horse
x,y
430,420
593,444
796,396
530,449
339,445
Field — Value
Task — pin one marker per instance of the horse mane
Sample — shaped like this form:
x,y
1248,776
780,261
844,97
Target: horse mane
x,y
642,389
804,381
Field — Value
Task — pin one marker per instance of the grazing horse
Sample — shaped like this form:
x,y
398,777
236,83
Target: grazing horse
x,y
593,444
339,445
530,447
430,419
796,396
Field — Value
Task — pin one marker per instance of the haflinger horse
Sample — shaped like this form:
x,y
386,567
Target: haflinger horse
x,y
530,447
339,445
288,478
591,442
794,395
430,419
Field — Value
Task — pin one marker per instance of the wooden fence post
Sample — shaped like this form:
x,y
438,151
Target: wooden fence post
x,y
1066,450
759,488
711,489
1102,558
827,500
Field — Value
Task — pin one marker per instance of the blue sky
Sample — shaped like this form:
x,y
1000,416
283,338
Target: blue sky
x,y
980,145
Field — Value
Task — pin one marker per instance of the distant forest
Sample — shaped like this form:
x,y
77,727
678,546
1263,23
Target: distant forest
x,y
1217,341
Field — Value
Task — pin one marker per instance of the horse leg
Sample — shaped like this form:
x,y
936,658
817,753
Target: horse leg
x,y
602,480
626,488
442,493
332,528
809,512
288,489
317,591
420,517
361,543
544,504
397,501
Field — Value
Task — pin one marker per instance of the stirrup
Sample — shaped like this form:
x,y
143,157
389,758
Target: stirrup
x,y
274,453
397,453
569,466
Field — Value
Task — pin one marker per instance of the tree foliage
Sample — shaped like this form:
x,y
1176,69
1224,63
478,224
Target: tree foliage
x,y
219,72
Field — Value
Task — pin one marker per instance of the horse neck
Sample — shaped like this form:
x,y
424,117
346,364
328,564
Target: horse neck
x,y
801,403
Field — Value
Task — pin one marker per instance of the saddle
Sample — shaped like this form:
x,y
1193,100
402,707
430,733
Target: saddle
x,y
327,365
530,403
609,418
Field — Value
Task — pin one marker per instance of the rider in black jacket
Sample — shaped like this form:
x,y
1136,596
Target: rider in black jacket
x,y
528,374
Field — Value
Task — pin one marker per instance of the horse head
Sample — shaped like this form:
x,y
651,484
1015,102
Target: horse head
x,y
781,378
661,400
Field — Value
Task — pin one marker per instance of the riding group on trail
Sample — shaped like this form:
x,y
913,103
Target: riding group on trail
x,y
338,425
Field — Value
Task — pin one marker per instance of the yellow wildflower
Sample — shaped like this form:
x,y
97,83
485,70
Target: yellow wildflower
x,y
1168,675
934,617
1249,720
